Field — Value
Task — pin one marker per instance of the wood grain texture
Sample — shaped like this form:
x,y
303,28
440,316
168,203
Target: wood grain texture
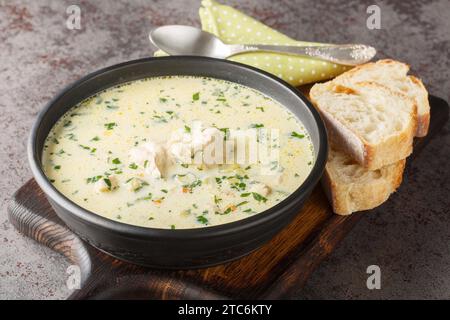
x,y
274,271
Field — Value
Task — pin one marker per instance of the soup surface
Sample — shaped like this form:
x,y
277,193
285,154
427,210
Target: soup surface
x,y
136,153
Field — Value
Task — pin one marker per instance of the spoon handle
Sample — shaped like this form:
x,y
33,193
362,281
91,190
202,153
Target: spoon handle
x,y
346,54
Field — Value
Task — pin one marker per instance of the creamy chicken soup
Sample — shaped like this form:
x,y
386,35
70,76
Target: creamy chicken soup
x,y
130,153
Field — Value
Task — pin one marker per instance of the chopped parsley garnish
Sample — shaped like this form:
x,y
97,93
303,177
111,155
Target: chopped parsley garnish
x,y
257,125
190,187
238,186
161,118
260,108
108,183
241,203
95,138
202,220
172,227
133,166
162,100
110,126
85,147
297,135
149,196
187,129
196,96
145,163
244,195
258,197
116,170
67,123
71,136
93,179
57,167
226,132
217,199
116,161
164,190
143,184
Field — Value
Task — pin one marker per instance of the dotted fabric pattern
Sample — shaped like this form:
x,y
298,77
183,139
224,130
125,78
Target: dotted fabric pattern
x,y
234,27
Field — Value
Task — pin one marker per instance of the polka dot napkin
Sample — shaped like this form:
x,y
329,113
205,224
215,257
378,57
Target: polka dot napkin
x,y
234,27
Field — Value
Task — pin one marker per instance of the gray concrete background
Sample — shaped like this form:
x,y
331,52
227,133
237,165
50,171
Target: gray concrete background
x,y
408,237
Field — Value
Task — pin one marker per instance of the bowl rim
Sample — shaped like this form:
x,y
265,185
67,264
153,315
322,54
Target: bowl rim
x,y
192,233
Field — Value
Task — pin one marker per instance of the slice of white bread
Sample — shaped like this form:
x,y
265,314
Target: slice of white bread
x,y
368,121
393,74
351,187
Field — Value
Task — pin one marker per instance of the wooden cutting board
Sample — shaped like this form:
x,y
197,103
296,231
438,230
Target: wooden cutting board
x,y
274,271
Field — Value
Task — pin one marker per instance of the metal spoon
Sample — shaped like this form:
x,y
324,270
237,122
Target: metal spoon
x,y
186,40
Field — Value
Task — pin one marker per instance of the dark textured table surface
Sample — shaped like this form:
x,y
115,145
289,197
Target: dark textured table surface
x,y
408,237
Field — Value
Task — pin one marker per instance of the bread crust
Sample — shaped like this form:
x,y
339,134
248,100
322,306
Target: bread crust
x,y
370,65
346,198
421,97
423,120
371,156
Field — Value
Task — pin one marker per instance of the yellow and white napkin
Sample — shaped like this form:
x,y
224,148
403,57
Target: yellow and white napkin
x,y
234,27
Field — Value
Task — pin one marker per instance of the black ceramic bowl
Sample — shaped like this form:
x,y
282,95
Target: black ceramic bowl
x,y
183,248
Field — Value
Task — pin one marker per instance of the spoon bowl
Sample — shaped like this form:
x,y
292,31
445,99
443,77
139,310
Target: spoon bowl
x,y
186,40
